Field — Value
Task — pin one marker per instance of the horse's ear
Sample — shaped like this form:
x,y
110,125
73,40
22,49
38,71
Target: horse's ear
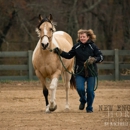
x,y
50,17
40,17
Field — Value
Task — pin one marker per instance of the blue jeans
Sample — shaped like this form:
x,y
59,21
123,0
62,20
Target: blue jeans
x,y
86,94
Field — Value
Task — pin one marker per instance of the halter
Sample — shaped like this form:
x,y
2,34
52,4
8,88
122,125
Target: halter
x,y
52,31
49,38
46,36
47,20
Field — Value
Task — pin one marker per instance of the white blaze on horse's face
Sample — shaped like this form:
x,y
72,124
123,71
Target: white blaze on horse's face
x,y
45,34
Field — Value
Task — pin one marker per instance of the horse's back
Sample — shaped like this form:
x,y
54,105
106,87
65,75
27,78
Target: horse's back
x,y
63,40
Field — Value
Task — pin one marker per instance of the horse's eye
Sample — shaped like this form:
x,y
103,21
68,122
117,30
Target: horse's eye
x,y
39,29
51,29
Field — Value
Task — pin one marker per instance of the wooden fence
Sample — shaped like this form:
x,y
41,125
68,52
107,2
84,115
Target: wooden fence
x,y
115,67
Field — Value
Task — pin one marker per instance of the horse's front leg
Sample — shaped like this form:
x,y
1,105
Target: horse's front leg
x,y
45,93
53,86
45,90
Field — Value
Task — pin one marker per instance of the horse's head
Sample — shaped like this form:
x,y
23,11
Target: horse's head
x,y
45,31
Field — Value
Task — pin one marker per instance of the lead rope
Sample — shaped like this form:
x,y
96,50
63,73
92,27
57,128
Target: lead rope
x,y
95,75
91,70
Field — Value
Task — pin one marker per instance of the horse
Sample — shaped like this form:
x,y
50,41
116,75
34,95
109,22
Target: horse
x,y
47,64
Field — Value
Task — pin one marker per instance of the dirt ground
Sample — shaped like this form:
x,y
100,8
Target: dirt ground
x,y
22,107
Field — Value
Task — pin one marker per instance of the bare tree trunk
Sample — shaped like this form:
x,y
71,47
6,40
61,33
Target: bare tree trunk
x,y
126,21
6,29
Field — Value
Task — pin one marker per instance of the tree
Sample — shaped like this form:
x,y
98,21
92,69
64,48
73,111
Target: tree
x,y
108,18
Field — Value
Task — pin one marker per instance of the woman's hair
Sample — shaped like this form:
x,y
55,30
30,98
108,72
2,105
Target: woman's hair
x,y
89,33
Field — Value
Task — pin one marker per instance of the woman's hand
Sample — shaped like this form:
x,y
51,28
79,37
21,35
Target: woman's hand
x,y
91,60
57,50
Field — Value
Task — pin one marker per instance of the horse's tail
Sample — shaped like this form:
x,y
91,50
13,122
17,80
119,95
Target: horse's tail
x,y
72,82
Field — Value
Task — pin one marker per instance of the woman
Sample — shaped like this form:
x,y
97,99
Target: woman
x,y
86,55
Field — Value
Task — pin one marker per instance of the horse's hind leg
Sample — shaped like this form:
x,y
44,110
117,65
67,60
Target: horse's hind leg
x,y
67,86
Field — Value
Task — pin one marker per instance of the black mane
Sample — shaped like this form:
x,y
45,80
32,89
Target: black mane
x,y
42,21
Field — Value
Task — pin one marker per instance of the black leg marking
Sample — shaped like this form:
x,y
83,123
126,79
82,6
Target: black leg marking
x,y
45,93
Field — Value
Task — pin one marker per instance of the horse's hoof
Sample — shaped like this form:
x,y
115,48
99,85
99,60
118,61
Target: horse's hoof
x,y
67,107
53,109
47,111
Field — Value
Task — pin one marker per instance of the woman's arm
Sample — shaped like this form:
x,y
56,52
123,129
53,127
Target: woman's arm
x,y
97,54
68,55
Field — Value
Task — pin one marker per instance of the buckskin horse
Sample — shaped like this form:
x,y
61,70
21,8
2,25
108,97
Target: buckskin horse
x,y
47,64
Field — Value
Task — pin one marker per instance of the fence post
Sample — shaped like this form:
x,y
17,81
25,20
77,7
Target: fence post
x,y
30,67
116,64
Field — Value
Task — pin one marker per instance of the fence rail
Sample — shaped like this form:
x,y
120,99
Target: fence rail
x,y
116,65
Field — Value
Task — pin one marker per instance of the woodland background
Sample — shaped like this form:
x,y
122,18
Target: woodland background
x,y
109,19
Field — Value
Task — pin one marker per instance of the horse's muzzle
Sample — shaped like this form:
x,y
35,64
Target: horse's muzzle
x,y
44,46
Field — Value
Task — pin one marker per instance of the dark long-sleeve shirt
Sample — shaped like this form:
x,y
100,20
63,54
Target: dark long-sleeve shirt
x,y
82,52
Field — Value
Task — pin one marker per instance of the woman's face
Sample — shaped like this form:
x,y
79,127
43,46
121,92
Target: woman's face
x,y
83,38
